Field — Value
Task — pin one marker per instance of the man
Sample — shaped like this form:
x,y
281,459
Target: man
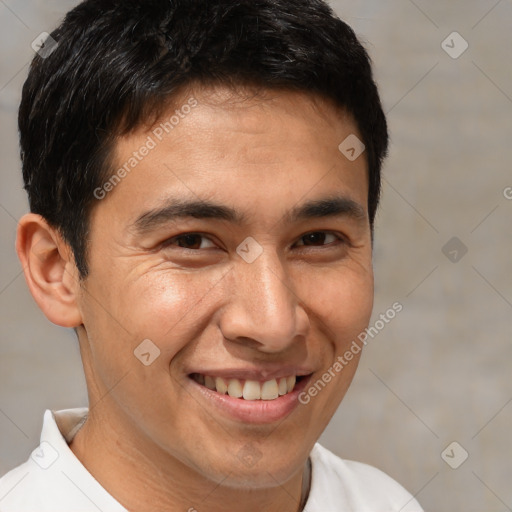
x,y
203,178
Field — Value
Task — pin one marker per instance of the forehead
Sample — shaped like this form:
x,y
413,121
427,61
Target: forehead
x,y
266,146
247,111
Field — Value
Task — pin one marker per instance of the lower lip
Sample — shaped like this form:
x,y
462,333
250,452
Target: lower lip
x,y
253,411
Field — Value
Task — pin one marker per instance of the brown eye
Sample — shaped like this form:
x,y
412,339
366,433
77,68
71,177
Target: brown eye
x,y
190,241
319,237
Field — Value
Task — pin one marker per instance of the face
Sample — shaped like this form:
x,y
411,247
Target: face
x,y
263,284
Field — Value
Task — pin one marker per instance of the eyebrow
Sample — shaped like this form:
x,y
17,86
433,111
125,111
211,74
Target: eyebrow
x,y
179,208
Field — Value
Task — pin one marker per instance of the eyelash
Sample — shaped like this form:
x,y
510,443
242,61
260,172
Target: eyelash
x,y
169,242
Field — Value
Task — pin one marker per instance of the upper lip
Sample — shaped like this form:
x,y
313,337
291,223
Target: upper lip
x,y
254,373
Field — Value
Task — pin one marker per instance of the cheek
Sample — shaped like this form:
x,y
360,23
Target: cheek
x,y
340,306
161,304
162,301
341,300
167,307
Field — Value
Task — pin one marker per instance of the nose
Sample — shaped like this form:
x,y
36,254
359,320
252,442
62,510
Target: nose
x,y
264,310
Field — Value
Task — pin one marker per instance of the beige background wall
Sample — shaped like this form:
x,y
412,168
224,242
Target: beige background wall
x,y
440,371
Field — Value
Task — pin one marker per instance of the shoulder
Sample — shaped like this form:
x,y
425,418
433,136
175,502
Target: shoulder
x,y
44,485
338,484
53,479
24,487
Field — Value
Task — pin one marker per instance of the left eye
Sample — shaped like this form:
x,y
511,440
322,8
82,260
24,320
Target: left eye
x,y
193,241
318,237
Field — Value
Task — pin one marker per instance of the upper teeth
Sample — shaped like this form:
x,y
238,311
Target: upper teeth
x,y
250,389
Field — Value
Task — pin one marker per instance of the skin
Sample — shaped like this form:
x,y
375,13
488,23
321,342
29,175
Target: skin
x,y
299,303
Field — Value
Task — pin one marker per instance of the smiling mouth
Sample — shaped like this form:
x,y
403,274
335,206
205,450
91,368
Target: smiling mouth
x,y
249,389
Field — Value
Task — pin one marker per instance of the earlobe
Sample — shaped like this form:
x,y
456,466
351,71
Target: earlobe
x,y
49,269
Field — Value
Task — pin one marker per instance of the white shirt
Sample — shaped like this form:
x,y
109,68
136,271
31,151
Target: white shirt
x,y
54,480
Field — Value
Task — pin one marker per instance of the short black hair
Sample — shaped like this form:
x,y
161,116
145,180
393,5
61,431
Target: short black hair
x,y
116,62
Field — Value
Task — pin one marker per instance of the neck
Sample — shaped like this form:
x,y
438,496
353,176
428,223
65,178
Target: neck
x,y
142,477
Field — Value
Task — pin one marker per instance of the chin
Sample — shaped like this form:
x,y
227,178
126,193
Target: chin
x,y
252,469
259,478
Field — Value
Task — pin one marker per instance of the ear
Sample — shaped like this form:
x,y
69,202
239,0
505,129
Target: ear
x,y
50,270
